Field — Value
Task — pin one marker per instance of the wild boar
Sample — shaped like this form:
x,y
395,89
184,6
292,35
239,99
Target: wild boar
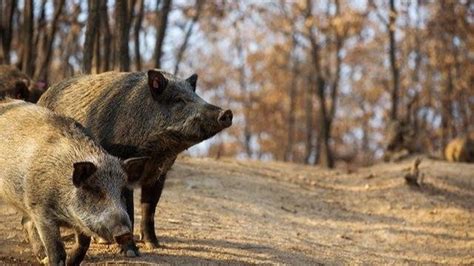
x,y
13,83
460,150
150,113
17,85
55,174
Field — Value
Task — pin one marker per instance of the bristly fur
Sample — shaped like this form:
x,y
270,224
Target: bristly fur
x,y
121,114
38,150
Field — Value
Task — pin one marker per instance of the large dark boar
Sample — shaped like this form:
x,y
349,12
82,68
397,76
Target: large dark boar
x,y
56,175
149,113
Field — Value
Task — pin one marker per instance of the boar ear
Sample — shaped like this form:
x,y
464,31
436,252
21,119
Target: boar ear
x,y
157,83
82,171
134,168
193,81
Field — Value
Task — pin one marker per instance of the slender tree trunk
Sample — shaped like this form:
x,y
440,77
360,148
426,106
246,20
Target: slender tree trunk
x,y
309,120
123,26
107,37
447,111
131,11
161,30
324,118
97,49
292,90
327,116
136,34
244,94
93,22
27,37
41,24
393,61
8,10
42,71
325,122
182,49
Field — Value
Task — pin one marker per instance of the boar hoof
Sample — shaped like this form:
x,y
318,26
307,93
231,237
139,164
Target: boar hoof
x,y
130,251
151,244
100,240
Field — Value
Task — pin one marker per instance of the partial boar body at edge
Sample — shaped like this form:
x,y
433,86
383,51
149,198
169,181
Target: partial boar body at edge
x,y
55,174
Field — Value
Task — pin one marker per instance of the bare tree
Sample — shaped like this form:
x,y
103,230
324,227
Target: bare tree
x,y
93,22
27,37
292,90
309,119
107,42
244,94
6,25
325,81
182,48
136,33
161,30
393,60
123,27
41,72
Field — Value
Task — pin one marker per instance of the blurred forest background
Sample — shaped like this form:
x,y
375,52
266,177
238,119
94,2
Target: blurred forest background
x,y
309,81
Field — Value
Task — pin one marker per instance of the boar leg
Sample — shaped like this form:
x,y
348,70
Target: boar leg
x,y
128,194
48,231
149,199
79,249
130,249
33,238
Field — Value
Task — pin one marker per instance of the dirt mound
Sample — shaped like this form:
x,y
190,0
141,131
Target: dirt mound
x,y
238,212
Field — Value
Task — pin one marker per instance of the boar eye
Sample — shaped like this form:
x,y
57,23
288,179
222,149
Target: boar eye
x,y
95,190
178,100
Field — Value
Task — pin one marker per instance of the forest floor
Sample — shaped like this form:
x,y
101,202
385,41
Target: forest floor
x,y
244,212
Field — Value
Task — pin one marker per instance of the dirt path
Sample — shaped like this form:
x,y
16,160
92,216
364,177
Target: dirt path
x,y
250,212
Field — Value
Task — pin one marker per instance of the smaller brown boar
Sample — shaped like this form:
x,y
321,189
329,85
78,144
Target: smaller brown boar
x,y
17,85
460,150
13,83
56,175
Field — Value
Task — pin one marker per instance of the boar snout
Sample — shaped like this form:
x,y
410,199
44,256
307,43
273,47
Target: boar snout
x,y
119,227
225,118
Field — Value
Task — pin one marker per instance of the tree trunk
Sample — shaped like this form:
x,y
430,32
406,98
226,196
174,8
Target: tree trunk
x,y
40,36
136,34
161,30
97,49
107,37
93,22
245,98
182,49
123,26
447,111
291,112
325,122
8,10
393,61
27,38
42,71
309,120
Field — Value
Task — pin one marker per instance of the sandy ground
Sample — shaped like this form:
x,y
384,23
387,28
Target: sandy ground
x,y
234,212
